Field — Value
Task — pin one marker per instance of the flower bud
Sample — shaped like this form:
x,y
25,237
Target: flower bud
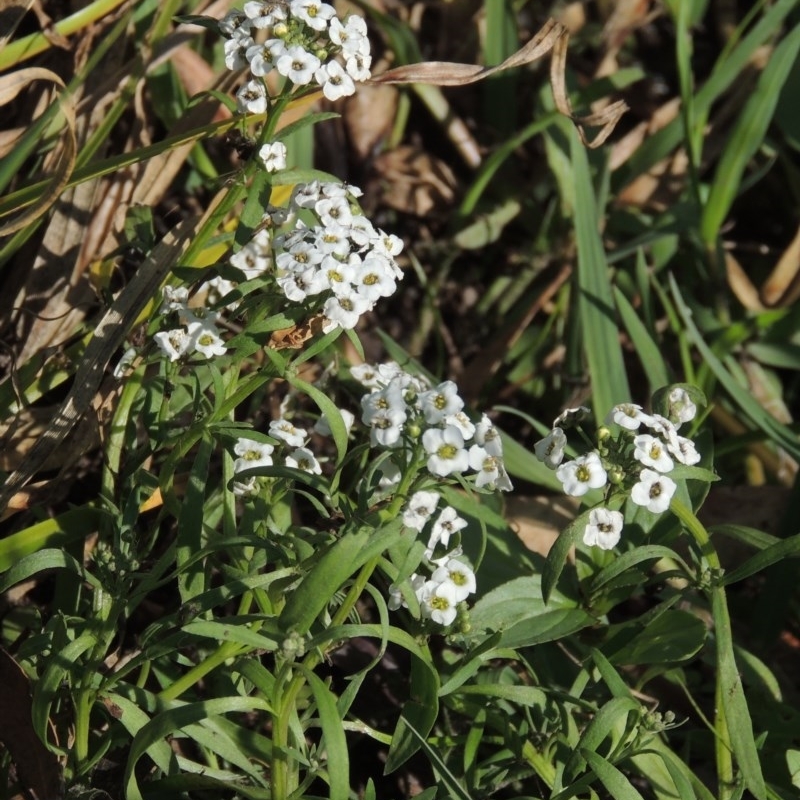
x,y
616,475
603,433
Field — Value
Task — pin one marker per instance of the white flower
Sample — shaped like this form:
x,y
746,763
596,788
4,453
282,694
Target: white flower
x,y
297,65
205,339
550,450
447,523
627,415
396,596
175,298
255,257
259,57
243,488
488,467
174,343
274,156
302,458
571,416
357,66
386,427
323,427
314,14
460,575
653,491
488,437
351,37
375,279
652,453
236,51
335,82
419,509
334,210
584,473
683,449
446,450
264,14
440,402
252,98
438,601
681,407
461,421
344,311
661,425
232,22
251,454
284,430
603,529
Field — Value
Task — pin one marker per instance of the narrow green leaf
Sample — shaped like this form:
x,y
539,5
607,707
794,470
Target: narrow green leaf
x,y
557,557
748,135
41,561
615,781
630,559
610,717
56,532
334,741
174,719
648,351
332,570
191,573
596,303
771,555
418,715
330,410
731,693
779,433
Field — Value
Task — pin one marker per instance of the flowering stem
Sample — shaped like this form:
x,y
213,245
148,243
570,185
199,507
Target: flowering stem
x,y
722,624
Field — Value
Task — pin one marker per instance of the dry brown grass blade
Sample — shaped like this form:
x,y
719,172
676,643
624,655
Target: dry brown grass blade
x,y
782,287
554,37
110,332
10,86
11,14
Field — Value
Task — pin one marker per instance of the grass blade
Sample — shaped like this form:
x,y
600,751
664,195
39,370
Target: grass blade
x,y
596,303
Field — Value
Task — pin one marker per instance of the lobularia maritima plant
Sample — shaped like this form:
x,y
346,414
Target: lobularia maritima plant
x,y
320,255
631,459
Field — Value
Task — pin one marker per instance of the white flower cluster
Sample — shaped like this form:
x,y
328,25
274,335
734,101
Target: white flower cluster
x,y
253,453
200,334
302,40
634,462
403,409
452,580
341,259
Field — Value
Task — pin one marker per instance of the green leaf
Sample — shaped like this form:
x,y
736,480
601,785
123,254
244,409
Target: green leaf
x,y
174,719
673,636
331,571
778,433
611,718
330,410
648,351
615,781
518,611
418,715
41,561
626,561
785,548
596,303
748,135
334,743
191,573
56,532
731,694
557,557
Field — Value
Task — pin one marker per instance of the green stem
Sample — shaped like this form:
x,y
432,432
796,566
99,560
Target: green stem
x,y
722,623
36,43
